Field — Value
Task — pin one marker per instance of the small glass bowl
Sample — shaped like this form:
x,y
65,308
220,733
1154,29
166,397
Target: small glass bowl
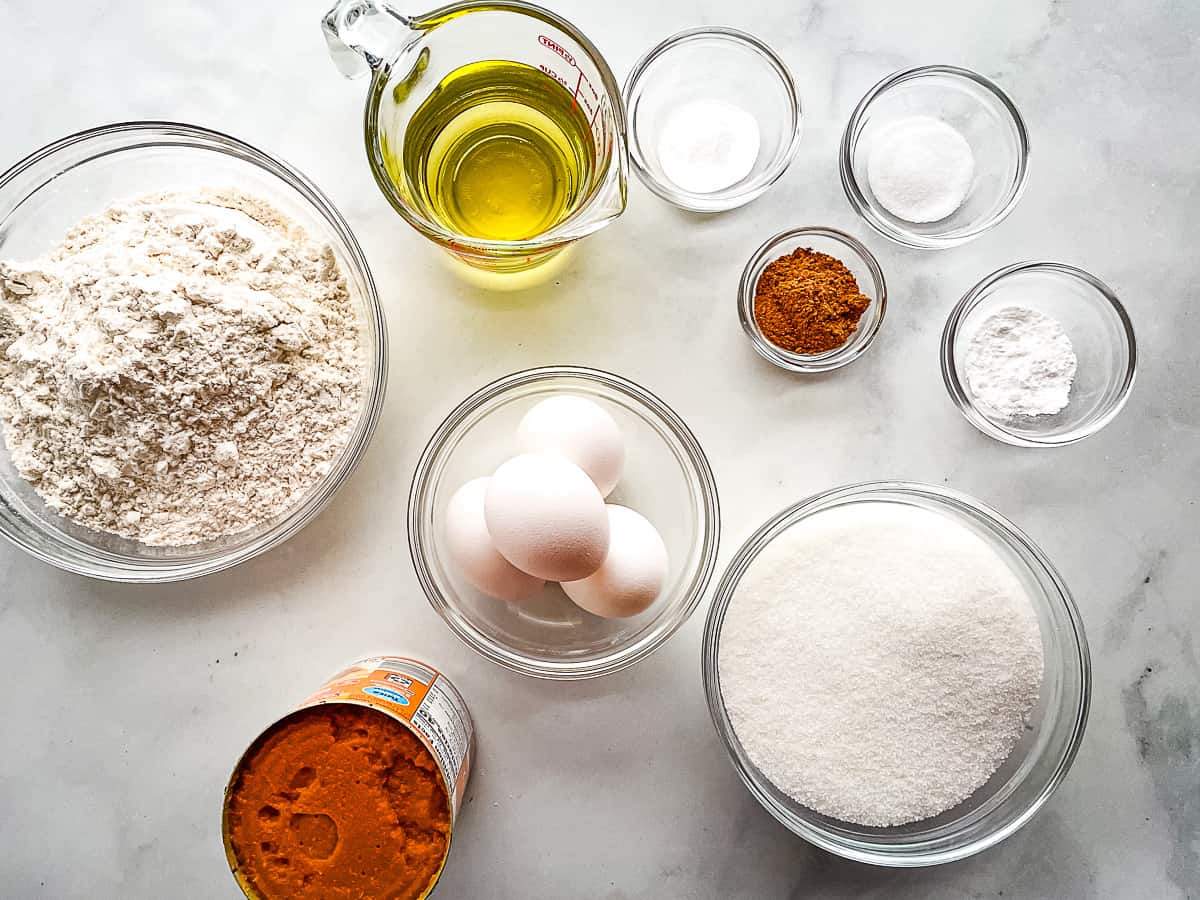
x,y
717,64
48,192
856,257
667,479
974,106
1036,766
1096,324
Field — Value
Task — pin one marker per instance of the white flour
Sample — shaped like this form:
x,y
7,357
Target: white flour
x,y
878,661
1020,363
180,368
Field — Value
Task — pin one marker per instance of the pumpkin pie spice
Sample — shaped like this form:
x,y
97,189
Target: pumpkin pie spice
x,y
808,302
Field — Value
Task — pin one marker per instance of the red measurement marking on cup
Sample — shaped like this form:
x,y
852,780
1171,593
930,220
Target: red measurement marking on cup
x,y
587,98
590,98
549,71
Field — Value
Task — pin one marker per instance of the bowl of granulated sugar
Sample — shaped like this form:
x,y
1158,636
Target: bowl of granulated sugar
x,y
898,673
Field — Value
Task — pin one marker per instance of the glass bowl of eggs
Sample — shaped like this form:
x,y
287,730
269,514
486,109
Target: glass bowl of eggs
x,y
564,522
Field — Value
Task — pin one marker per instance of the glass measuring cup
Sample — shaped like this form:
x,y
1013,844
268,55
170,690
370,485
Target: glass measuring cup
x,y
409,57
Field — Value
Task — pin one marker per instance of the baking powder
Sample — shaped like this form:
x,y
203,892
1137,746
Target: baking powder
x,y
1020,362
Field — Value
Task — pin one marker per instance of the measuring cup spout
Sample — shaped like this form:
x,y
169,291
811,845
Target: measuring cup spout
x,y
364,34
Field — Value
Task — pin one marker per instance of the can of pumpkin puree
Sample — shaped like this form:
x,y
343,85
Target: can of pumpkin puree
x,y
356,791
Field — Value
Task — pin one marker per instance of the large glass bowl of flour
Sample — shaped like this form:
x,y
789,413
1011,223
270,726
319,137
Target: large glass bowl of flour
x,y
47,193
1041,756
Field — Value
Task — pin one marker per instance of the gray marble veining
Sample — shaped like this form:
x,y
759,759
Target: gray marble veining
x,y
126,706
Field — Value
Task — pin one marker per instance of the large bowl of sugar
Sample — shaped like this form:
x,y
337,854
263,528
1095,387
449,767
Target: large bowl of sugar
x,y
898,673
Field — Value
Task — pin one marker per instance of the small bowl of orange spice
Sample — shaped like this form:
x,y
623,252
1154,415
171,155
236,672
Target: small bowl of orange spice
x,y
812,299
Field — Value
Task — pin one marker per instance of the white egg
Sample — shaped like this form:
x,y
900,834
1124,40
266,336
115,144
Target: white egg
x,y
471,548
546,517
633,573
579,429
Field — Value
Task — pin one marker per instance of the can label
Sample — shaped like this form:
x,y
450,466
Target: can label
x,y
420,696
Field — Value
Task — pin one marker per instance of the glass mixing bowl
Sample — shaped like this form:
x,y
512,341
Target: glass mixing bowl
x,y
975,107
667,479
861,263
49,191
1036,766
1096,324
712,64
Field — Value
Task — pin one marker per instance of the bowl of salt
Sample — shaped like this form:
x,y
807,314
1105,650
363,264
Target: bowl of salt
x,y
933,157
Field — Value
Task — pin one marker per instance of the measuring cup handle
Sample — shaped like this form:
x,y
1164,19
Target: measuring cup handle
x,y
364,34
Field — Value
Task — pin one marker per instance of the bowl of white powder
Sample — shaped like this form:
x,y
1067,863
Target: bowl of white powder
x,y
1039,354
898,674
933,157
192,352
713,118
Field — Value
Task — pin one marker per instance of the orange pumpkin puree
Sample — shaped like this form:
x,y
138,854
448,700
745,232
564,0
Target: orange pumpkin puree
x,y
338,801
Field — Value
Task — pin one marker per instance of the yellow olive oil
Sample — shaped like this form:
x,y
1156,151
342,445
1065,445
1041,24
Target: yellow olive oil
x,y
499,151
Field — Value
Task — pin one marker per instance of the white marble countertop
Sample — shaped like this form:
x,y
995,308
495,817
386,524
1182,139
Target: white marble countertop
x,y
127,706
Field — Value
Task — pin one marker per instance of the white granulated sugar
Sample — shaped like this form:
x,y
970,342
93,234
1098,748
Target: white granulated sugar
x,y
878,662
182,367
920,169
1020,363
707,145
